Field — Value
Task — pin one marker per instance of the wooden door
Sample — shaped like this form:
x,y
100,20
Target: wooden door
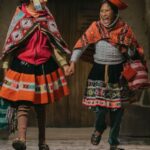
x,y
72,18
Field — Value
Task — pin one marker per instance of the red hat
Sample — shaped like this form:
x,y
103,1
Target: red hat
x,y
119,4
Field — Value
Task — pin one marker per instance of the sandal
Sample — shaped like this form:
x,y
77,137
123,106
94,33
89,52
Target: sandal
x,y
115,148
43,147
95,139
19,144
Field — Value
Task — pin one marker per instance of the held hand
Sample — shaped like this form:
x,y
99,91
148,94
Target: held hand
x,y
66,70
72,68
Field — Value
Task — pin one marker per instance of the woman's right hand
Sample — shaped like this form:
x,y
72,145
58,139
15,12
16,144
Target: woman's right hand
x,y
71,69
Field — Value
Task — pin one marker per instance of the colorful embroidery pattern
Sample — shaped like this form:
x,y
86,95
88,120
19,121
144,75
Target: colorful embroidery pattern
x,y
28,86
38,89
23,25
106,95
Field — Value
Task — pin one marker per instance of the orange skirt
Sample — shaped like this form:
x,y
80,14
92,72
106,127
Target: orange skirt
x,y
38,89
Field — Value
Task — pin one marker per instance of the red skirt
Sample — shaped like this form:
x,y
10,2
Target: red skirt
x,y
37,84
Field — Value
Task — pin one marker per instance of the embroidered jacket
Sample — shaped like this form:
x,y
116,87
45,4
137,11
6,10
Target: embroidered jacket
x,y
120,35
23,25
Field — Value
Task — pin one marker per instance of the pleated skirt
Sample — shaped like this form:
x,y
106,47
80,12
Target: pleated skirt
x,y
105,88
38,84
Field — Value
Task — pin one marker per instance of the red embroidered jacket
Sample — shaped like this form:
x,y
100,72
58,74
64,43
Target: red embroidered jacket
x,y
23,25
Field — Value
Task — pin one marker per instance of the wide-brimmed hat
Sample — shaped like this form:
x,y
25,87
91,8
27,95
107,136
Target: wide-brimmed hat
x,y
119,4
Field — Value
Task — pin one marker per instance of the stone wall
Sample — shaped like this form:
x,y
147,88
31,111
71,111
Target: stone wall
x,y
136,119
138,17
147,18
146,95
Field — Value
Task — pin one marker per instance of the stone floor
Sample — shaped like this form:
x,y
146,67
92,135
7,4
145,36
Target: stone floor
x,y
74,139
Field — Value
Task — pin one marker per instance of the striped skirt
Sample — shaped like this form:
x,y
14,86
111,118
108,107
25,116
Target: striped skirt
x,y
39,84
105,89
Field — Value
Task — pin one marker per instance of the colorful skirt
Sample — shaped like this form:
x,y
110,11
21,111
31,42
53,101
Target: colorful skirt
x,y
104,87
39,84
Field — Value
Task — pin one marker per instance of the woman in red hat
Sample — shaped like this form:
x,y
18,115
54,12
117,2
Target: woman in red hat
x,y
105,44
36,74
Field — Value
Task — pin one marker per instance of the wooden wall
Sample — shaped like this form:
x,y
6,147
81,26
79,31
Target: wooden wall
x,y
72,18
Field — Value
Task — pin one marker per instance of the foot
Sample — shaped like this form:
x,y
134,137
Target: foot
x,y
95,138
19,144
114,147
43,147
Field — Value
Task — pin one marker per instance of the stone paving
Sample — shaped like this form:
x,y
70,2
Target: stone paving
x,y
76,139
73,145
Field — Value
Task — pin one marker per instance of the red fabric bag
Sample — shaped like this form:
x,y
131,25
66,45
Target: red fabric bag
x,y
128,72
136,75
